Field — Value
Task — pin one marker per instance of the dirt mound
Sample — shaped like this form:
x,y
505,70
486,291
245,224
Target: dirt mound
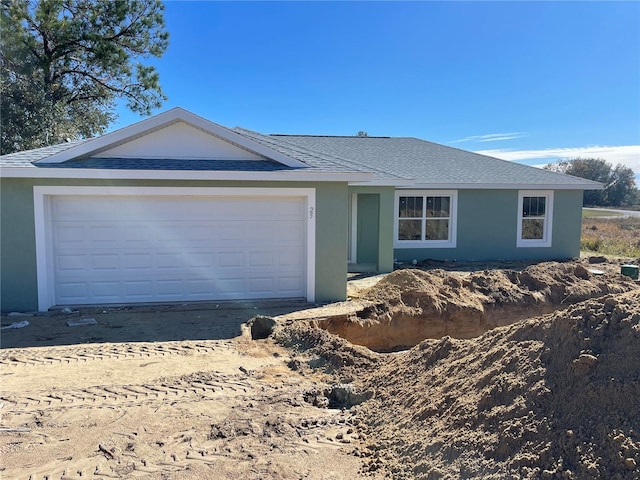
x,y
328,352
411,305
554,397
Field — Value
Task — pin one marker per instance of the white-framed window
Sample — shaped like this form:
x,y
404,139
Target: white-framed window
x,y
535,218
425,218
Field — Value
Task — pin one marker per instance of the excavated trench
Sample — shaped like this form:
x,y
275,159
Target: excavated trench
x,y
411,305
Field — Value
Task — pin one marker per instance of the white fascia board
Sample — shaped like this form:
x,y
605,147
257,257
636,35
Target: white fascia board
x,y
114,174
162,120
385,183
505,186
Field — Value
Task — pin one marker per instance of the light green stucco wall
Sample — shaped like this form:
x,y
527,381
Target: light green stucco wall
x,y
375,211
487,229
17,247
18,282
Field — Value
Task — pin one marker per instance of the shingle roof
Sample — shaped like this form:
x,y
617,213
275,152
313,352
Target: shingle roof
x,y
430,163
26,157
317,158
399,160
171,164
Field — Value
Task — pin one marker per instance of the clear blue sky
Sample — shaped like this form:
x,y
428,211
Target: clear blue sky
x,y
524,81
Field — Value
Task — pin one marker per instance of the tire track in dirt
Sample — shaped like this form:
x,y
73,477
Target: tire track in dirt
x,y
126,395
30,356
245,438
121,467
243,418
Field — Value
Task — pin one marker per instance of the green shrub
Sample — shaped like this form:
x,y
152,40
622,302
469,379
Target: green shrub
x,y
591,244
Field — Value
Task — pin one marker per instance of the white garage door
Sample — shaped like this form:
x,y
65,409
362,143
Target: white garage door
x,y
130,249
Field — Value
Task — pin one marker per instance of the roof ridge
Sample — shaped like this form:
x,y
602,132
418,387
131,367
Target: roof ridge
x,y
254,134
319,155
324,136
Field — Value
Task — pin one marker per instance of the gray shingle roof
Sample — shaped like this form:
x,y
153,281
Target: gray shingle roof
x,y
430,163
400,160
317,158
171,164
24,158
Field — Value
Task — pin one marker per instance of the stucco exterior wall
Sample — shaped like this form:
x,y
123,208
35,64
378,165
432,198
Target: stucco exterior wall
x,y
487,229
18,277
18,289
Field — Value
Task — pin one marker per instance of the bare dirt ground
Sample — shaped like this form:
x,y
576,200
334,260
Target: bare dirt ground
x,y
411,305
91,404
184,392
551,397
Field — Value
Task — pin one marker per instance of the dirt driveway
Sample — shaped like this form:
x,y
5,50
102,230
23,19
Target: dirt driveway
x,y
171,393
160,323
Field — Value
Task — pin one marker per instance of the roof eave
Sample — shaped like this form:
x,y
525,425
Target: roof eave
x,y
116,174
384,183
509,186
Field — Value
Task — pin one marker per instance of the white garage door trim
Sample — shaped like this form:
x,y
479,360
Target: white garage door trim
x,y
43,217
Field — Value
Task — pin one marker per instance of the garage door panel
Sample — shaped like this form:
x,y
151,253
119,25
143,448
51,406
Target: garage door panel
x,y
105,235
260,285
231,259
69,234
145,249
70,262
137,289
290,258
226,232
230,287
72,292
260,259
290,233
199,260
106,261
107,291
289,283
134,261
169,288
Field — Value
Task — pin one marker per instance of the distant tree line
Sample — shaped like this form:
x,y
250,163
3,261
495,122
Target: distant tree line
x,y
619,181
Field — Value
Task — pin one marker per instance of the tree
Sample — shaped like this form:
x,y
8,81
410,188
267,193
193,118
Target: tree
x,y
622,186
619,182
362,133
65,63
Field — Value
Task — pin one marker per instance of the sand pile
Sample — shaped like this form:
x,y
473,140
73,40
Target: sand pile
x,y
411,305
320,350
553,397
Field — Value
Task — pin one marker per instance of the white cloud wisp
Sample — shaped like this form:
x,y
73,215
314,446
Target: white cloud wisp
x,y
491,137
627,155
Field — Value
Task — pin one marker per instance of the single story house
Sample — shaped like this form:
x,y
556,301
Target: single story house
x,y
177,208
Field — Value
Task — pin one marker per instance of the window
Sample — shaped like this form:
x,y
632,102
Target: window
x,y
535,209
425,218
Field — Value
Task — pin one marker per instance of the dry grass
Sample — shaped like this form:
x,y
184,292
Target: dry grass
x,y
613,236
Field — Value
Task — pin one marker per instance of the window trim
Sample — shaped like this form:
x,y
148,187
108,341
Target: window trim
x,y
547,232
453,219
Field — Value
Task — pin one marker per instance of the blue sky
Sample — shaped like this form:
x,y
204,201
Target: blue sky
x,y
526,81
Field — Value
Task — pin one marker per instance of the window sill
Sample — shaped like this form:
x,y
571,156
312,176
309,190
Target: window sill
x,y
533,244
423,244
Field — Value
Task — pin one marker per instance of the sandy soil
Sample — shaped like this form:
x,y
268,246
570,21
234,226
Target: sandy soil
x,y
410,305
550,397
189,409
182,392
